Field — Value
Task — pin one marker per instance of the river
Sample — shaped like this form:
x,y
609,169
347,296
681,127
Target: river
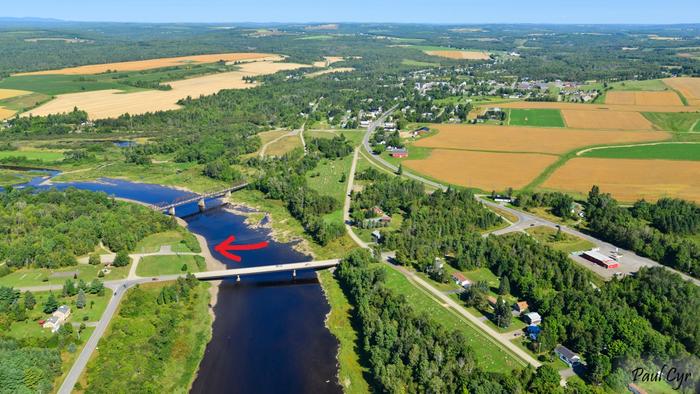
x,y
269,334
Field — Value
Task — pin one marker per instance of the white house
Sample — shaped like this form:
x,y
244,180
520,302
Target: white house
x,y
533,318
53,323
567,356
62,313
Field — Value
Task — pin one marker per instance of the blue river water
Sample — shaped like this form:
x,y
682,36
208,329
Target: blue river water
x,y
269,334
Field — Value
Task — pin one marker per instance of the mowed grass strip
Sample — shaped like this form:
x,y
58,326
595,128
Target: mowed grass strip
x,y
536,117
567,243
170,265
662,151
42,155
489,355
629,180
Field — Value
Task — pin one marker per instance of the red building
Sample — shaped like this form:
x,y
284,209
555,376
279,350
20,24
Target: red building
x,y
600,259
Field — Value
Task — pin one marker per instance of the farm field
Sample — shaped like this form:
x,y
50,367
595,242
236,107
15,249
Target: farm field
x,y
629,179
330,71
459,55
662,151
607,120
6,113
155,63
688,87
679,122
643,98
112,103
9,93
528,139
596,107
535,117
483,170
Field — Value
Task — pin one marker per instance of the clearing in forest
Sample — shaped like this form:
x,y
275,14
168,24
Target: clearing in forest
x,y
528,139
535,117
283,145
629,179
643,98
139,65
483,170
113,103
606,120
689,87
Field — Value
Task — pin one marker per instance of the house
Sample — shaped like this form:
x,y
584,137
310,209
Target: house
x,y
377,211
506,199
533,331
62,313
521,306
460,279
533,318
600,259
53,322
567,356
365,123
493,300
376,235
400,153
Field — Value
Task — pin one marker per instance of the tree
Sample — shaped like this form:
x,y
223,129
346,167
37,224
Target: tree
x,y
29,300
545,381
51,304
94,259
399,171
598,368
69,288
95,286
183,268
122,259
343,178
502,313
80,302
504,286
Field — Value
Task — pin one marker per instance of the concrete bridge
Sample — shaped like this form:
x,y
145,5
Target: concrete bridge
x,y
169,207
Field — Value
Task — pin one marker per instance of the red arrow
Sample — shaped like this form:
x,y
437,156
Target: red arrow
x,y
226,246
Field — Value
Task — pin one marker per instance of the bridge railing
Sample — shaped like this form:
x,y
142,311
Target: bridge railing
x,y
188,199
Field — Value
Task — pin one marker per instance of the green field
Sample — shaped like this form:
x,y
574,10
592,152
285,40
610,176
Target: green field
x,y
631,85
675,121
59,84
489,355
416,63
170,265
663,151
41,155
25,102
326,179
567,244
26,277
535,117
174,238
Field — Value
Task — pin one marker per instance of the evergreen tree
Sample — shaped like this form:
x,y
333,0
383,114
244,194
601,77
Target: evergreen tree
x,y
29,300
69,288
80,302
504,286
94,259
122,259
51,304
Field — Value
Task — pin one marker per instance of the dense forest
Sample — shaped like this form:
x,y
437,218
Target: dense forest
x,y
657,231
50,228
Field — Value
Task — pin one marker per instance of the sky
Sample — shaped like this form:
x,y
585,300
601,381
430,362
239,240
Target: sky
x,y
423,11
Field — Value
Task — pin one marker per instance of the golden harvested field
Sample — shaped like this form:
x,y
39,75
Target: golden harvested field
x,y
9,93
689,88
595,107
156,63
483,170
6,113
329,60
112,103
460,55
643,98
605,119
528,139
629,180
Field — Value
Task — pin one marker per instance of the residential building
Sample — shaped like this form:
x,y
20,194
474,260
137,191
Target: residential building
x,y
62,313
460,279
533,318
567,356
53,323
521,306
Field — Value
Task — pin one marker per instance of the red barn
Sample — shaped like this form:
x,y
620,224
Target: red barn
x,y
600,259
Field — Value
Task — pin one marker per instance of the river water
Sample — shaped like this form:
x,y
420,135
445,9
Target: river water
x,y
269,334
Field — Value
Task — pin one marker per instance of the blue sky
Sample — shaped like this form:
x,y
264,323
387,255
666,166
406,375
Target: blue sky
x,y
428,11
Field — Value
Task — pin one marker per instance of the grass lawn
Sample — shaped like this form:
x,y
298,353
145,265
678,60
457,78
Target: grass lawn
x,y
284,145
489,355
326,179
568,244
535,117
351,373
509,216
675,121
690,151
41,155
27,277
174,238
170,265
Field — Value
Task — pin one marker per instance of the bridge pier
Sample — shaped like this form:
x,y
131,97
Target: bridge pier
x,y
238,278
294,274
171,211
202,205
227,194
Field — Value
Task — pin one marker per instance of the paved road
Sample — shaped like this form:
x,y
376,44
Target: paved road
x,y
630,262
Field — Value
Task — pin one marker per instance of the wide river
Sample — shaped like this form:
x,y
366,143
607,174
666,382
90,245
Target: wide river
x,y
269,334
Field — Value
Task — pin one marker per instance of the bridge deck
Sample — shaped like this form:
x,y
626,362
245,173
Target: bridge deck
x,y
266,269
